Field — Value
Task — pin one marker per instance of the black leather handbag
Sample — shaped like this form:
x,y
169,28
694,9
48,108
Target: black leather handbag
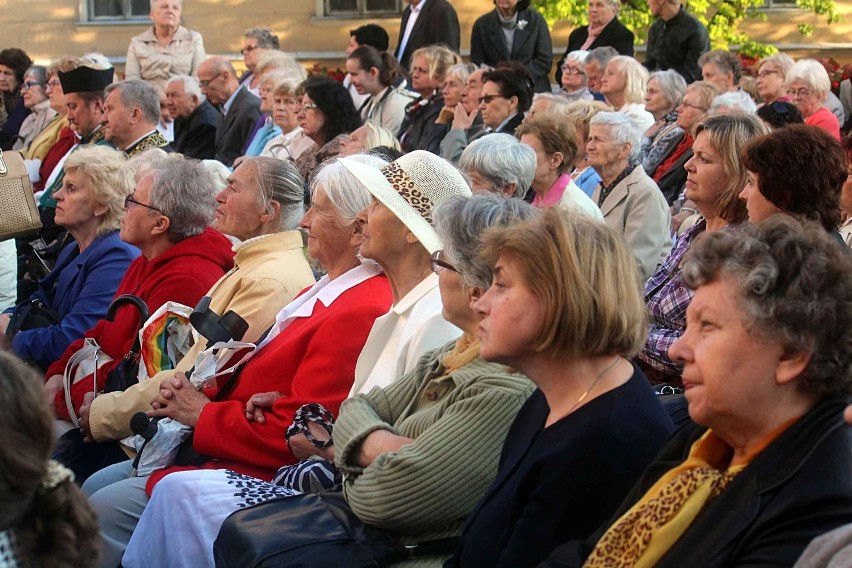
x,y
313,530
31,314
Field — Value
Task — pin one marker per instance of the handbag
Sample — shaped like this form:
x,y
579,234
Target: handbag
x,y
19,214
312,530
31,314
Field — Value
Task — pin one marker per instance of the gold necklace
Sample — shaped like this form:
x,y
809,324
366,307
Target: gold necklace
x,y
594,383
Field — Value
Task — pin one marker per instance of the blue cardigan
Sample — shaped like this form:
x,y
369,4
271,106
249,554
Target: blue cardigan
x,y
85,285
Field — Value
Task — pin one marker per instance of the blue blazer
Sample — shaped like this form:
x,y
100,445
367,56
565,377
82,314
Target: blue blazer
x,y
85,284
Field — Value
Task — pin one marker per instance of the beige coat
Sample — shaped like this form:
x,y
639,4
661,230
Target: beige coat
x,y
147,60
268,273
637,209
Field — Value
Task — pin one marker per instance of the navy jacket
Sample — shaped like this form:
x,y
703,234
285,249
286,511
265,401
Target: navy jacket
x,y
530,45
85,284
195,135
798,488
562,482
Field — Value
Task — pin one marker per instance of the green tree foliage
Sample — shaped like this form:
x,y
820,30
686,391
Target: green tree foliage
x,y
722,18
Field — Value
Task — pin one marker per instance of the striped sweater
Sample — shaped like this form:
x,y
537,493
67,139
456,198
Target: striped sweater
x,y
458,422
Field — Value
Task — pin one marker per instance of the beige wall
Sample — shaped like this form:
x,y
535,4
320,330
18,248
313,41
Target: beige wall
x,y
48,29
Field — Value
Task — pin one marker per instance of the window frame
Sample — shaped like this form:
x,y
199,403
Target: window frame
x,y
87,16
323,10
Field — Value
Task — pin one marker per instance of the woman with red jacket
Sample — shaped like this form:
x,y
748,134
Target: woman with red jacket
x,y
166,218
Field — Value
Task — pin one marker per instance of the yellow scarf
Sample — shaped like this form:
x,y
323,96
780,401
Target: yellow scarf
x,y
465,351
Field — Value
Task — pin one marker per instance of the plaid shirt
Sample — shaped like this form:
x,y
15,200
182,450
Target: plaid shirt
x,y
667,298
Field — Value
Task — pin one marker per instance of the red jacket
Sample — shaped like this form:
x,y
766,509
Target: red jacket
x,y
312,360
184,273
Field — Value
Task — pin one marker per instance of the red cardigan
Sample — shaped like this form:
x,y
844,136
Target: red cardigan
x,y
184,273
312,360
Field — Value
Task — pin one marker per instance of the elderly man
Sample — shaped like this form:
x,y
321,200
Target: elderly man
x,y
499,164
240,108
596,62
261,206
722,68
131,114
195,118
467,122
426,22
675,40
630,201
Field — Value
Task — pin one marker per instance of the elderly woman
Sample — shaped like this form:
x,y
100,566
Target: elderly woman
x,y
39,497
663,95
397,234
808,85
292,141
87,273
846,196
723,68
166,217
35,100
574,86
367,137
166,49
630,201
506,95
257,42
494,39
715,176
261,206
390,442
798,170
553,141
429,67
623,86
564,309
771,75
274,68
327,117
499,164
453,90
308,356
467,121
580,114
14,63
603,30
54,141
765,467
374,73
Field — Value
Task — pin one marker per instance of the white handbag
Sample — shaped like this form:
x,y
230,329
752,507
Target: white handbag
x,y
86,361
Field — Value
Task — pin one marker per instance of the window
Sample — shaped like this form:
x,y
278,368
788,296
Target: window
x,y
362,7
117,10
779,4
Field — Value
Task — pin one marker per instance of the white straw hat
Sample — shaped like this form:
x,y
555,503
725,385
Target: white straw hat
x,y
411,187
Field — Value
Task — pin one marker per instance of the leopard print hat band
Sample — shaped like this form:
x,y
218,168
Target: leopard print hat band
x,y
410,187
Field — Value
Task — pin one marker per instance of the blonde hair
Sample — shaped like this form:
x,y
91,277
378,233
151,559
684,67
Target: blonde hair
x,y
439,60
107,179
580,113
635,78
275,59
586,278
379,136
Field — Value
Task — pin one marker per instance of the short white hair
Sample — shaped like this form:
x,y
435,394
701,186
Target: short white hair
x,y
622,129
501,159
190,86
734,100
811,72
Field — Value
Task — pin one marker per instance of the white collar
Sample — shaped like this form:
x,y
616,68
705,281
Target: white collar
x,y
325,291
415,294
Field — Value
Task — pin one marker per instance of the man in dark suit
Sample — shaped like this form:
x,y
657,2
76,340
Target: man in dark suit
x,y
426,22
240,108
195,118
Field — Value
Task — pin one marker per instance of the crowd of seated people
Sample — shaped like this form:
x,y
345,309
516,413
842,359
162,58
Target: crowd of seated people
x,y
488,319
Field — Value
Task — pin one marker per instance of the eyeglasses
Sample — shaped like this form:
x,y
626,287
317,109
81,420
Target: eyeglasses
x,y
129,199
685,104
488,98
572,70
248,49
206,83
439,264
766,72
799,92
27,85
52,84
